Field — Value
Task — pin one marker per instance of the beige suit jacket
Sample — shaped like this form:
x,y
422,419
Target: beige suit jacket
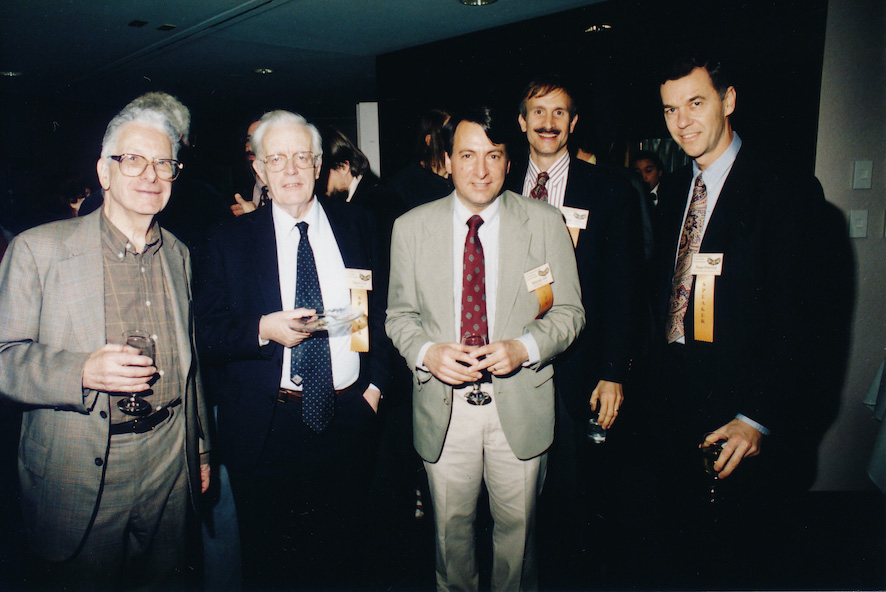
x,y
420,309
51,319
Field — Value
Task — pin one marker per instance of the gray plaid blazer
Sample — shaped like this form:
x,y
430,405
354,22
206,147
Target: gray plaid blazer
x,y
51,319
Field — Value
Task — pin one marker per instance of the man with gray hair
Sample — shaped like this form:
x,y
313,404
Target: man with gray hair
x,y
96,342
298,399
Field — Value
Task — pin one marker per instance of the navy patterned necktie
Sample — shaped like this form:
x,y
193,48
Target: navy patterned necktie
x,y
311,362
473,288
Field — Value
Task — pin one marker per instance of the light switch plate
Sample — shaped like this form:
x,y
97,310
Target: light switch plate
x,y
862,174
858,223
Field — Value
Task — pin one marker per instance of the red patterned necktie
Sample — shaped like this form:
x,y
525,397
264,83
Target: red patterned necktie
x,y
473,287
690,241
540,191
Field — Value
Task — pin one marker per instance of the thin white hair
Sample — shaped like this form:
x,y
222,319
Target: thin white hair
x,y
134,114
273,118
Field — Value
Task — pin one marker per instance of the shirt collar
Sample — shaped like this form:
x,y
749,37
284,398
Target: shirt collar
x,y
285,223
462,214
556,172
717,171
120,243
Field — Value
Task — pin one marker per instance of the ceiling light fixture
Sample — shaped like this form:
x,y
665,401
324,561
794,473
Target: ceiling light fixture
x,y
478,2
10,74
138,23
166,27
598,28
263,71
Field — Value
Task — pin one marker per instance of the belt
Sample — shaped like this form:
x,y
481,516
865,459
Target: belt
x,y
290,396
140,425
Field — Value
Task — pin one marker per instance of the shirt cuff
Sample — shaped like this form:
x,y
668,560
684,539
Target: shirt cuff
x,y
419,360
531,347
759,427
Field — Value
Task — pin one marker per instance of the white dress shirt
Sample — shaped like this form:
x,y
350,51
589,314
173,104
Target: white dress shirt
x,y
333,285
489,239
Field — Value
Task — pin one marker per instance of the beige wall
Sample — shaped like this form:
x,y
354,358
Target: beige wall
x,y
852,126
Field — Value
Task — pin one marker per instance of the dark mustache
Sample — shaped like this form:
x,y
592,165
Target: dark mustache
x,y
543,130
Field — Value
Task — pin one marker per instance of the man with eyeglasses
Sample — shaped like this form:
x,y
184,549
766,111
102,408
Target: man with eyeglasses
x,y
104,483
282,295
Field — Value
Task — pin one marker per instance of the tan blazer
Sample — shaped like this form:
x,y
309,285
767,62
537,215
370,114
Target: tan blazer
x,y
420,309
51,319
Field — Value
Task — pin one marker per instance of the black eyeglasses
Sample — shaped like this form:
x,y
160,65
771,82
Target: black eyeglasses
x,y
133,165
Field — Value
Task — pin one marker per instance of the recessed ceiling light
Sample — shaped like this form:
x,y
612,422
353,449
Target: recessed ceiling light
x,y
137,23
598,28
10,74
166,27
263,71
478,2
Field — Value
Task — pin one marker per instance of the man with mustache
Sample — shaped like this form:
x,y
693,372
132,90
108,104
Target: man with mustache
x,y
602,212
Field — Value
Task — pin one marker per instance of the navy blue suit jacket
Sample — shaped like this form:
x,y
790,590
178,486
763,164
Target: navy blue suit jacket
x,y
610,258
236,282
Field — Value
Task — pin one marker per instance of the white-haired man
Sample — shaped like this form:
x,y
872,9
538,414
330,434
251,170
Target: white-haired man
x,y
297,410
105,481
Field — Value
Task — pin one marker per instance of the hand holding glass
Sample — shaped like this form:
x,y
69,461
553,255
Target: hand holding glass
x,y
144,343
476,396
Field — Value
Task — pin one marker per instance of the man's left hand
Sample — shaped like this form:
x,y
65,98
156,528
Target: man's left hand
x,y
372,396
502,357
607,398
205,473
744,441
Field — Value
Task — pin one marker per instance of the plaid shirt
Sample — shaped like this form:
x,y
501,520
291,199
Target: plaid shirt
x,y
136,297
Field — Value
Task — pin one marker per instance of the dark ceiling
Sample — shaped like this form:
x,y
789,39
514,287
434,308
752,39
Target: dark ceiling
x,y
323,51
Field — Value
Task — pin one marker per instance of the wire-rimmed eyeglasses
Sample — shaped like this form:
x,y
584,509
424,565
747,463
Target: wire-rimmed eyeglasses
x,y
277,162
133,165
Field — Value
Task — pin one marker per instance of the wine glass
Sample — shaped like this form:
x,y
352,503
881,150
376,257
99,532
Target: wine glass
x,y
476,396
710,451
144,343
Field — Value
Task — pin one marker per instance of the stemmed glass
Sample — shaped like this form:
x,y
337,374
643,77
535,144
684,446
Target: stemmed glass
x,y
144,343
476,396
710,451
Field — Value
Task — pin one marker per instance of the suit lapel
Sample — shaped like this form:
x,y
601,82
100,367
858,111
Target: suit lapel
x,y
511,259
346,235
85,270
175,274
437,272
262,239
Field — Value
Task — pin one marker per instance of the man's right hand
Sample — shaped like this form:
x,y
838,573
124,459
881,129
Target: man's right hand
x,y
242,206
285,327
443,360
118,368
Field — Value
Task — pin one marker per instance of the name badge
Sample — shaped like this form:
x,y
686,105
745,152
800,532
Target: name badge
x,y
538,277
575,217
707,264
358,279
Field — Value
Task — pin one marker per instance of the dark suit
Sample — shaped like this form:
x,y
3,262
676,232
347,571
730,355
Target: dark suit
x,y
609,254
287,479
609,258
770,360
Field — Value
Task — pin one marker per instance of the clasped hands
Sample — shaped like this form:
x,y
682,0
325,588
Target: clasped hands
x,y
456,364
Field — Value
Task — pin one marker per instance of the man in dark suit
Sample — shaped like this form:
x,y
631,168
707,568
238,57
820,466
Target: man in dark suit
x,y
733,279
602,213
297,413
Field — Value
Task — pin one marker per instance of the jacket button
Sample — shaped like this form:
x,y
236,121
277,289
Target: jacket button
x,y
99,462
103,415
